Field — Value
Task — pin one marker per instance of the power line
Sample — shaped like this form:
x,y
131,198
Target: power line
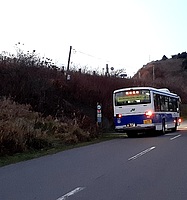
x,y
90,55
99,58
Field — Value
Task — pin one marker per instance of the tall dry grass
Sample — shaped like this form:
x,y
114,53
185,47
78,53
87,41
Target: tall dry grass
x,y
21,129
17,127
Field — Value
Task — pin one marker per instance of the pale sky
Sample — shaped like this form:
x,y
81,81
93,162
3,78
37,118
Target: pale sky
x,y
122,33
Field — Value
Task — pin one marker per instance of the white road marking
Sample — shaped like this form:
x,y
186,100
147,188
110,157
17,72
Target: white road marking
x,y
175,137
141,153
71,193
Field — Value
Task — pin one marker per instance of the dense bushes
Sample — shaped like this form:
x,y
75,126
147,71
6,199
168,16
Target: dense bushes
x,y
17,128
21,129
46,89
40,87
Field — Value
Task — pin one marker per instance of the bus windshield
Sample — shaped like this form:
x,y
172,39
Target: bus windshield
x,y
132,97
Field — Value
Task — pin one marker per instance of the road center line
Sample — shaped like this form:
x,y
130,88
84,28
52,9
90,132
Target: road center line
x,y
141,153
175,137
71,193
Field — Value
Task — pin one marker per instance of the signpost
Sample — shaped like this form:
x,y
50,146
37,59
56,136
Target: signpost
x,y
99,114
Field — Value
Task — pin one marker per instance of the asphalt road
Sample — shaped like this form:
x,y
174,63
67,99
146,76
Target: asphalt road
x,y
144,168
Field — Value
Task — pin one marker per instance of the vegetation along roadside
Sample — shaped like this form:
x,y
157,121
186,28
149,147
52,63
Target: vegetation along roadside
x,y
41,112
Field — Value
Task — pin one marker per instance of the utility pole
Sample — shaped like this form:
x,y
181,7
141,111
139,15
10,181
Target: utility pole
x,y
153,72
107,73
69,58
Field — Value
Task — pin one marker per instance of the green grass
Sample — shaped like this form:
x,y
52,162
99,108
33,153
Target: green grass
x,y
57,147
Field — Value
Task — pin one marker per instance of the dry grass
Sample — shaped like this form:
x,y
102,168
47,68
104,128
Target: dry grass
x,y
17,128
22,129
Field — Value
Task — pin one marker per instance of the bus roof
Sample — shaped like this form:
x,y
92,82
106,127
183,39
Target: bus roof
x,y
163,91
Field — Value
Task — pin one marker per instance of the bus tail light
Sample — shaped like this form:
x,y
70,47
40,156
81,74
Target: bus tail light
x,y
149,113
118,115
178,121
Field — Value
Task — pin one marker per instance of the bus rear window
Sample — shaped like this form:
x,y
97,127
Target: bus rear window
x,y
132,97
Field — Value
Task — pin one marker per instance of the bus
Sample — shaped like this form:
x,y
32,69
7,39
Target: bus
x,y
140,109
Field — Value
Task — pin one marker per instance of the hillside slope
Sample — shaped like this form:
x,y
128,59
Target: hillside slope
x,y
170,73
162,68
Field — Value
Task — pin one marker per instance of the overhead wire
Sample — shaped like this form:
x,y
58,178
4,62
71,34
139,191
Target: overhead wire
x,y
98,58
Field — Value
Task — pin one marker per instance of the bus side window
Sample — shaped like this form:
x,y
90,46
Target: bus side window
x,y
178,106
157,102
171,104
175,105
166,103
162,103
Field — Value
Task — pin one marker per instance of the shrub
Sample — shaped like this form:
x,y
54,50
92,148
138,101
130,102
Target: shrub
x,y
81,135
17,128
21,129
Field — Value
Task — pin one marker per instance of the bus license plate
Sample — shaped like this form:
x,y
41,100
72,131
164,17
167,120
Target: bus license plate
x,y
147,121
131,125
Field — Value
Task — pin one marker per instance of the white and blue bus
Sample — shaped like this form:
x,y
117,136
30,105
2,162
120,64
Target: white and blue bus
x,y
140,109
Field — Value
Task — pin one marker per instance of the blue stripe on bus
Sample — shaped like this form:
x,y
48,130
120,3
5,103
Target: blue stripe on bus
x,y
138,119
